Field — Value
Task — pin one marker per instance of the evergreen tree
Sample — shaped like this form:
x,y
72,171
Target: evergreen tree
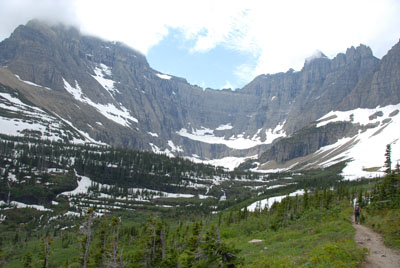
x,y
45,252
100,246
150,253
87,238
388,161
28,260
306,200
113,261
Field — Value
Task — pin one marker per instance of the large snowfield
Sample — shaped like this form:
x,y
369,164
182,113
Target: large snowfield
x,y
366,151
239,141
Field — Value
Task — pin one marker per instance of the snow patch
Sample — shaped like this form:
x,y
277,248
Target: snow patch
x,y
36,121
15,204
224,127
31,83
207,135
82,133
276,170
118,115
273,134
157,150
175,148
164,76
153,134
83,186
101,72
72,214
229,163
358,116
268,202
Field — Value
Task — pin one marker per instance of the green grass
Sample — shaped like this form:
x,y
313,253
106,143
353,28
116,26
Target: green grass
x,y
386,222
58,254
319,238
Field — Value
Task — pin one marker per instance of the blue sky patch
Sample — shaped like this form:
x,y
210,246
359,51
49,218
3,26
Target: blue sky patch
x,y
214,68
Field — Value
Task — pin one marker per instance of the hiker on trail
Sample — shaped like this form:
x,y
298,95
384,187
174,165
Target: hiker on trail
x,y
357,212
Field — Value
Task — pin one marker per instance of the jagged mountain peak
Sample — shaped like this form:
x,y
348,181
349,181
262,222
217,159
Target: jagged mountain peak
x,y
318,54
110,92
393,54
359,51
46,26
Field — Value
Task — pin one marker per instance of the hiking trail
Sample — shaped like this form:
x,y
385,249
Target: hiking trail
x,y
379,255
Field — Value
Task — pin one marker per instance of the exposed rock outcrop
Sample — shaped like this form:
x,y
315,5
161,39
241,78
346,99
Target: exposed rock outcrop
x,y
120,100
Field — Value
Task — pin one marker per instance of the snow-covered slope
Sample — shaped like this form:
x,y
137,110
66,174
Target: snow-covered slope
x,y
363,150
366,150
18,118
119,115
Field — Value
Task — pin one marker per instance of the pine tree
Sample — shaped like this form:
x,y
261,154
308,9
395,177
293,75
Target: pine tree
x,y
28,260
150,253
87,238
305,200
220,218
388,161
113,260
100,246
45,252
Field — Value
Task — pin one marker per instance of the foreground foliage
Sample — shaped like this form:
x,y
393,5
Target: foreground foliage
x,y
312,230
383,210
309,231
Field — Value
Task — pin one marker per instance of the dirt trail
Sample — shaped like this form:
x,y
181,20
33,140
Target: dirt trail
x,y
380,255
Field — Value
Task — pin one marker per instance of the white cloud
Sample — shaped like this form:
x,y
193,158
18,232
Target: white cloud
x,y
280,34
17,12
284,33
228,85
245,72
317,54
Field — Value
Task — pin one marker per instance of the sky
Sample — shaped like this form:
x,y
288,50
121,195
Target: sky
x,y
222,44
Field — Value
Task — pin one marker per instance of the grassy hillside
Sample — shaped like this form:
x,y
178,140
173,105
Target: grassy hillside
x,y
309,231
383,210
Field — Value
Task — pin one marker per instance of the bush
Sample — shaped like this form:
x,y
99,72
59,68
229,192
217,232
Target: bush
x,y
338,254
266,262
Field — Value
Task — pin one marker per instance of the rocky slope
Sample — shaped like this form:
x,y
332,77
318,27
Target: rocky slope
x,y
109,91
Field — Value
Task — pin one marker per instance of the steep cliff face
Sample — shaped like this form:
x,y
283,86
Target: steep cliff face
x,y
321,85
121,100
306,141
109,91
382,87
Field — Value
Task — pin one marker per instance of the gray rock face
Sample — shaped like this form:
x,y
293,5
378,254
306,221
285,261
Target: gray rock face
x,y
48,55
318,88
382,87
307,141
164,105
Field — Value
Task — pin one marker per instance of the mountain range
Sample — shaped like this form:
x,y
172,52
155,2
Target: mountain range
x,y
58,84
